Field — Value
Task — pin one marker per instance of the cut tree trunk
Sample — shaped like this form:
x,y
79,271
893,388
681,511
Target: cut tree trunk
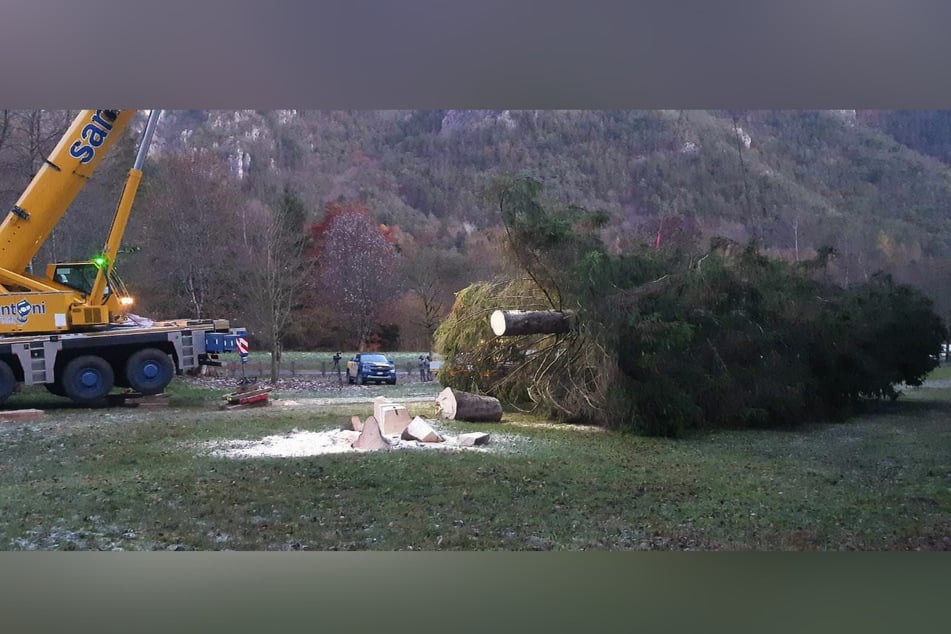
x,y
509,323
456,405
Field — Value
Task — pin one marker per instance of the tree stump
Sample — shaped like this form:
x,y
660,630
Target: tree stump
x,y
509,323
457,405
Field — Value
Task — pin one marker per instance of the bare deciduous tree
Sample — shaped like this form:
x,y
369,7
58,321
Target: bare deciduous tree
x,y
280,272
39,131
433,276
192,254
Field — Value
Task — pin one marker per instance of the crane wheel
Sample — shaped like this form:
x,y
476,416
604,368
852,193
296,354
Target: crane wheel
x,y
87,379
149,371
8,381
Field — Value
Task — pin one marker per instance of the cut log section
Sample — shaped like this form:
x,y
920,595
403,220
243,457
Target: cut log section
x,y
472,440
420,430
393,419
456,405
370,438
509,323
379,402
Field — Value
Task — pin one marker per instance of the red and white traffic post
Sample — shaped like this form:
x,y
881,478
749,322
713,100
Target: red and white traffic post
x,y
242,344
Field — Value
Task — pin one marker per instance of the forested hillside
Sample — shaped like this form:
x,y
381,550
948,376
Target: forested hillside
x,y
242,214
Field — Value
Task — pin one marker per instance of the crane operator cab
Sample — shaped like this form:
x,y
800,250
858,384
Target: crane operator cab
x,y
77,275
81,276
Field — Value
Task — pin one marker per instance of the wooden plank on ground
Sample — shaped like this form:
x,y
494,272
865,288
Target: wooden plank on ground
x,y
18,415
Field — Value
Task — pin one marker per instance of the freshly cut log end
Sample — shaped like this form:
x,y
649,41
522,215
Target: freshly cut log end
x,y
393,419
446,404
497,321
510,323
457,405
420,430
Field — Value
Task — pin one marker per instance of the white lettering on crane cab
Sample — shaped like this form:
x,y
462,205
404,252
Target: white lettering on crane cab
x,y
93,135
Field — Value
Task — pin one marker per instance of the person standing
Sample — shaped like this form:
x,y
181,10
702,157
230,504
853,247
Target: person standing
x,y
422,368
429,363
336,359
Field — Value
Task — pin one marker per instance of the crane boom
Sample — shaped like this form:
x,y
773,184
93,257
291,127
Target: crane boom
x,y
121,219
56,184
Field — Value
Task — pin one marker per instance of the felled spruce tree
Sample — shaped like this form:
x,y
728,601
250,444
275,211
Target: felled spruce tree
x,y
668,340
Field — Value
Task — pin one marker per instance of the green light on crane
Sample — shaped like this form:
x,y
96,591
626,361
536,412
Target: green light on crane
x,y
100,261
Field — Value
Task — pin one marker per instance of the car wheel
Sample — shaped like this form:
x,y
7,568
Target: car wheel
x,y
392,381
149,371
363,380
87,379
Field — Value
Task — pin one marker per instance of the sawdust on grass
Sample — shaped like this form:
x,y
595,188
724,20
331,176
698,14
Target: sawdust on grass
x,y
302,443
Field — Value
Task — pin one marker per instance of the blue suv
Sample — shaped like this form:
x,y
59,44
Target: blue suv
x,y
371,366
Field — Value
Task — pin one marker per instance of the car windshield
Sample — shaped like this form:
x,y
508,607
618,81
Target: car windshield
x,y
374,358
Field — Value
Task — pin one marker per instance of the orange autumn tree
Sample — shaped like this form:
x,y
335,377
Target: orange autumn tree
x,y
356,269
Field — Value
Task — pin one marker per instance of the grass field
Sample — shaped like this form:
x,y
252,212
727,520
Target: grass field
x,y
941,374
140,480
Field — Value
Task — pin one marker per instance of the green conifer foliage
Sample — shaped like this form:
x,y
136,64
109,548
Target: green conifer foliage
x,y
680,338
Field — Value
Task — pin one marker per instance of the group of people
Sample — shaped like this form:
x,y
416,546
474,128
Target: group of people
x,y
425,370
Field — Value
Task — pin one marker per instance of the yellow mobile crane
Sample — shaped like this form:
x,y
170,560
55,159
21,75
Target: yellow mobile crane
x,y
68,330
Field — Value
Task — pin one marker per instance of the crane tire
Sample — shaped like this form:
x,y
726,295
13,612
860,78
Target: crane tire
x,y
149,371
87,379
